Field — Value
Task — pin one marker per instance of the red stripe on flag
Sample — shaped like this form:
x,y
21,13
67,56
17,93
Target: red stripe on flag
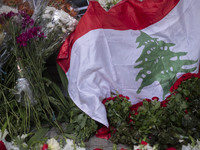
x,y
128,14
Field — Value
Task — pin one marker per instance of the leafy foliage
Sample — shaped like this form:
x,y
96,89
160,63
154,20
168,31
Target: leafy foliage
x,y
80,127
28,97
171,123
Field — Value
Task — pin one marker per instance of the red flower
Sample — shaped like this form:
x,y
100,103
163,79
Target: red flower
x,y
148,100
2,146
136,106
186,111
123,149
171,148
184,77
109,98
120,95
155,98
97,149
167,97
196,75
164,103
103,133
187,98
131,120
144,143
45,147
103,130
136,113
104,101
127,97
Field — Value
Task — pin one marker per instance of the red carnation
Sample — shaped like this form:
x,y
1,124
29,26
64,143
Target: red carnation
x,y
155,98
148,100
144,143
104,101
164,103
45,147
127,97
130,120
2,146
187,98
168,97
184,77
171,148
136,113
196,75
103,133
120,95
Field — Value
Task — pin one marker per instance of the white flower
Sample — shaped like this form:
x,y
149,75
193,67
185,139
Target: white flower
x,y
53,144
190,147
107,3
59,18
10,146
23,136
3,135
145,147
71,146
7,9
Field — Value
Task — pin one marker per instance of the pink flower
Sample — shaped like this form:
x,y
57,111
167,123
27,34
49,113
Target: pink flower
x,y
144,143
31,33
2,146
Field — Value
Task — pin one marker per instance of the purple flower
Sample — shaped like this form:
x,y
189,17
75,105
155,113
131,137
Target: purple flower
x,y
31,33
10,14
7,16
27,20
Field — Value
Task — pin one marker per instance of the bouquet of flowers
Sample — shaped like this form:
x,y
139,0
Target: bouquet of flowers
x,y
20,143
173,122
29,98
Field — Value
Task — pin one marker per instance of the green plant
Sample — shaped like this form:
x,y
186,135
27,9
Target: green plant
x,y
171,123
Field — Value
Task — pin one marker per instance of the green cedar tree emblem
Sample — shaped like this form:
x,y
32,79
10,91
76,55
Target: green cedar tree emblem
x,y
158,63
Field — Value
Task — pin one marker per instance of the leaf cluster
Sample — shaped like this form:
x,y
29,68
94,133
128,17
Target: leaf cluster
x,y
171,126
20,113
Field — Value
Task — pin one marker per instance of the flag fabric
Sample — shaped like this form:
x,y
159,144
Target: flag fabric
x,y
138,49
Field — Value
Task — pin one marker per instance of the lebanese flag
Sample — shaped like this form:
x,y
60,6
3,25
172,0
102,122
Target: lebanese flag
x,y
137,49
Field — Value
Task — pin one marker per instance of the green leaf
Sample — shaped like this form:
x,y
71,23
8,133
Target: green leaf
x,y
156,105
63,77
38,136
183,105
172,118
